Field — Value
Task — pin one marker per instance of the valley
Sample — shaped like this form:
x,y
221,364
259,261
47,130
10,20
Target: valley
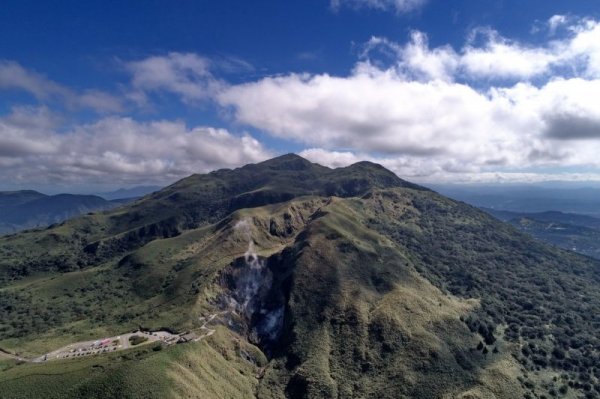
x,y
573,232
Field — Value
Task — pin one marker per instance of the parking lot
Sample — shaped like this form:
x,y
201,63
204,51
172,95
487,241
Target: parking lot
x,y
107,345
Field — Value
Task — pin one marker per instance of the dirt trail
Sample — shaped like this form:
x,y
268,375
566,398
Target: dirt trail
x,y
7,355
209,331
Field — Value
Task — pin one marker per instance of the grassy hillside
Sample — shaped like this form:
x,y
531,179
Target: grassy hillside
x,y
325,283
363,323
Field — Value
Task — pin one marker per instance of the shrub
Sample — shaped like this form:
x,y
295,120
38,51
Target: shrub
x,y
136,339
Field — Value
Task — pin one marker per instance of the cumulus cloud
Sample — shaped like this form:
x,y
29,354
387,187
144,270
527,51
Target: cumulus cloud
x,y
374,110
32,118
399,6
555,22
488,110
569,127
99,101
16,77
185,74
441,112
503,58
426,172
487,55
116,149
415,60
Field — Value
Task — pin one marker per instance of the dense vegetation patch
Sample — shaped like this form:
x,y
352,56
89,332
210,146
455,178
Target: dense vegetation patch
x,y
544,299
137,339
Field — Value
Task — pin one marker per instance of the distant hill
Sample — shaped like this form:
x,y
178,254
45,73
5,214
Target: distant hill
x,y
133,192
548,216
527,198
579,233
27,209
318,283
15,198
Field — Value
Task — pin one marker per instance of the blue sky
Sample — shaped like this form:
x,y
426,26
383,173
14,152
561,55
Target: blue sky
x,y
100,94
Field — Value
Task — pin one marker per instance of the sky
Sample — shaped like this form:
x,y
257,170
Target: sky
x,y
99,95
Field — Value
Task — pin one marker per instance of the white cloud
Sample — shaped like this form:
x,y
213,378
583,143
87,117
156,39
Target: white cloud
x,y
487,55
431,113
415,59
374,111
99,101
399,6
185,74
114,149
502,58
488,110
585,46
333,159
577,53
451,125
16,77
32,118
556,21
423,172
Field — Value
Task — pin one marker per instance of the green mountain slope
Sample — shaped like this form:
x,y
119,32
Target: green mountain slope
x,y
319,282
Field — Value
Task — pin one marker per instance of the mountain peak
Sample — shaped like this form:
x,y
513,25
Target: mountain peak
x,y
368,164
289,161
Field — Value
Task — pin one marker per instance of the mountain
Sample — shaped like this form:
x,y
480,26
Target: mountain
x,y
293,280
27,209
15,198
133,192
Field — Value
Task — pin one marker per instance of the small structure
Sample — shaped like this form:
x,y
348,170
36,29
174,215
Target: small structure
x,y
187,337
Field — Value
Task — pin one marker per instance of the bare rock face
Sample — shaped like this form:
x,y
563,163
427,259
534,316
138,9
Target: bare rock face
x,y
255,294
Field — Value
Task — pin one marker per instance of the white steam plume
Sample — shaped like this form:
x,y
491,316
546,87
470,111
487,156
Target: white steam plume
x,y
255,277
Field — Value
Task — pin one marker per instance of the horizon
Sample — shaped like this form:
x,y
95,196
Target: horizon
x,y
443,187
497,92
